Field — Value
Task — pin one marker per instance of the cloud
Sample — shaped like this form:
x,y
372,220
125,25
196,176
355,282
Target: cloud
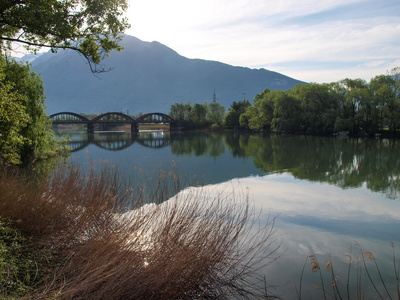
x,y
315,218
258,33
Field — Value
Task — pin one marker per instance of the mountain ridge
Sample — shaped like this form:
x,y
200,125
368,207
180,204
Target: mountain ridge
x,y
147,77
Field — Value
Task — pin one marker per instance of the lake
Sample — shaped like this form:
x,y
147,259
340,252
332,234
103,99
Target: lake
x,y
327,194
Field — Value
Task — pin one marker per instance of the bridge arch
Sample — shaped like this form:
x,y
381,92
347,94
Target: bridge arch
x,y
68,117
154,143
114,145
157,117
115,117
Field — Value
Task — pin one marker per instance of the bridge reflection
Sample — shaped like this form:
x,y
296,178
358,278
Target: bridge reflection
x,y
112,141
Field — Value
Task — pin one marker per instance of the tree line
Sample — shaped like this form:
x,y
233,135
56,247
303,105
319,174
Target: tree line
x,y
206,114
351,105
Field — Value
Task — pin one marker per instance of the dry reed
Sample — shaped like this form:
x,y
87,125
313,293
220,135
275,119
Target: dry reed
x,y
110,241
364,278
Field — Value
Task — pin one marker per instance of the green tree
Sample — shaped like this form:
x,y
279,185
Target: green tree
x,y
233,115
180,111
198,113
356,92
13,118
393,109
215,113
232,119
382,90
319,108
287,112
91,27
259,116
25,134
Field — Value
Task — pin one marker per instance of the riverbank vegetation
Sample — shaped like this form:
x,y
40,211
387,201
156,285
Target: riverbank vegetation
x,y
88,235
25,134
200,115
350,106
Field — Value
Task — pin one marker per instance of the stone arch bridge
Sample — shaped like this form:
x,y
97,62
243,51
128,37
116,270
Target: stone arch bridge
x,y
117,118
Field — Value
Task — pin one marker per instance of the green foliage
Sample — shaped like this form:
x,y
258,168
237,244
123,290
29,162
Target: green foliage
x,y
200,114
91,27
232,118
180,111
215,113
18,262
286,113
319,110
25,134
350,105
13,118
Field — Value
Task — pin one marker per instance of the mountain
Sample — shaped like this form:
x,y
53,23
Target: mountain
x,y
28,57
147,77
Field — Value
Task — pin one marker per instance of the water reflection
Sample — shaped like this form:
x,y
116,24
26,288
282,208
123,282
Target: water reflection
x,y
327,221
117,141
347,163
326,192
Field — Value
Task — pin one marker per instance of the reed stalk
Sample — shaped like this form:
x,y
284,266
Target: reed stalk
x,y
111,240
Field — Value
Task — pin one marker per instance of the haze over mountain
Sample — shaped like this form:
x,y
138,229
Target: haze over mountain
x,y
147,77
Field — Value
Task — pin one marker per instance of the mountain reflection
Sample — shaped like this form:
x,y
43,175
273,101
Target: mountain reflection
x,y
347,163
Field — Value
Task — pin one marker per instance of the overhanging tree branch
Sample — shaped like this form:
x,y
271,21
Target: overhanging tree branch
x,y
91,28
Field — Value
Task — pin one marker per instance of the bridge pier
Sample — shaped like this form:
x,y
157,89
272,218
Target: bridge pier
x,y
90,128
177,126
134,127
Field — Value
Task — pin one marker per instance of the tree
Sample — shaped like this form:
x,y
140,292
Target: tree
x,y
287,112
319,108
357,100
393,111
216,113
91,27
259,116
232,119
13,118
251,119
233,115
180,111
198,113
25,134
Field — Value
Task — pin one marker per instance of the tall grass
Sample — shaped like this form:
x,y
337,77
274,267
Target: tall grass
x,y
363,279
110,240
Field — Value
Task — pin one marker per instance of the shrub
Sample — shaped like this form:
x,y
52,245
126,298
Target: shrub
x,y
109,240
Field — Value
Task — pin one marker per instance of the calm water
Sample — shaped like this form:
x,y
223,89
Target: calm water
x,y
327,193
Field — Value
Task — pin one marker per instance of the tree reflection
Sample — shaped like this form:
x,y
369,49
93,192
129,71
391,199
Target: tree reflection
x,y
348,163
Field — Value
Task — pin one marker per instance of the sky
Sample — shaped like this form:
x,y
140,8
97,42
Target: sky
x,y
310,40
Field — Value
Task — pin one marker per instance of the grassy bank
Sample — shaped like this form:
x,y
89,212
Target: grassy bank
x,y
88,235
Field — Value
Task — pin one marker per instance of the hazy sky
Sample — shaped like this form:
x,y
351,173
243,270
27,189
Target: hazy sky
x,y
310,40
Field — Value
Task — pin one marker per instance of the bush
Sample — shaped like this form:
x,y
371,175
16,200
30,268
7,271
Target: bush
x,y
103,245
